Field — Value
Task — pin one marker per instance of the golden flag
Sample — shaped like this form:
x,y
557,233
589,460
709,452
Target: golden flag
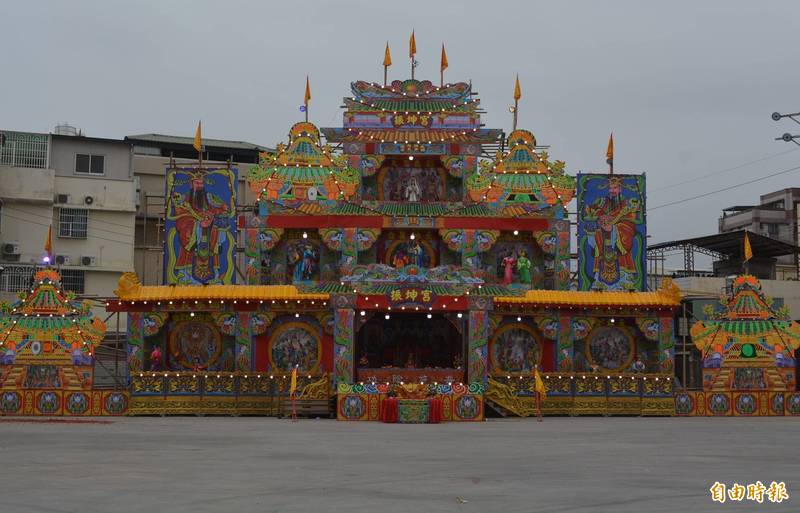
x,y
293,383
307,96
48,243
387,56
610,150
198,139
539,384
517,90
748,250
444,59
412,46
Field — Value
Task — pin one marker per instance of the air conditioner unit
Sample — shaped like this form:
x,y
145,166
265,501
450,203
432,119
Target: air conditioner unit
x,y
11,248
88,261
62,198
88,200
62,259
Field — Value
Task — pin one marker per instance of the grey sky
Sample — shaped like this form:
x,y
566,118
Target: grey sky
x,y
686,86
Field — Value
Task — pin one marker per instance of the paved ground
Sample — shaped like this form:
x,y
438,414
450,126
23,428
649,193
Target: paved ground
x,y
263,465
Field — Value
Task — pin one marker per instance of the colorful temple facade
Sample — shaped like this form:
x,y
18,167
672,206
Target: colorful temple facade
x,y
417,254
414,258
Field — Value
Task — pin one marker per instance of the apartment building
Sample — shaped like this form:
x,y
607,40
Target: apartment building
x,y
81,186
775,216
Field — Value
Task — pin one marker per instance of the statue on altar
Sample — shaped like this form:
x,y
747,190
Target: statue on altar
x,y
413,191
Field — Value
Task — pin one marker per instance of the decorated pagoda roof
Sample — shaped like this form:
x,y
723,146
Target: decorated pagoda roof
x,y
668,296
522,170
413,135
747,317
47,314
403,96
303,162
130,288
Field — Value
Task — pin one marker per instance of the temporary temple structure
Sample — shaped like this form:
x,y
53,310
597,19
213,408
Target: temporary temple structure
x,y
748,350
48,341
413,255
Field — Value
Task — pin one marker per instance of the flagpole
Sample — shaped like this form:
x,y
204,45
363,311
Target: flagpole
x,y
516,108
385,75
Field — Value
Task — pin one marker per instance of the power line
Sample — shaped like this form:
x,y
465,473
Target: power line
x,y
713,173
89,221
48,226
724,189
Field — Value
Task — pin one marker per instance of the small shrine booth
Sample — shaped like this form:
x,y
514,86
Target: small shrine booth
x,y
47,365
748,349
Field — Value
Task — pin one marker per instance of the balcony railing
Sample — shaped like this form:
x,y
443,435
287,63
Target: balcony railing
x,y
21,149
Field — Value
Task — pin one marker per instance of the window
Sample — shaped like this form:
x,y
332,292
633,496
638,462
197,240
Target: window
x,y
72,223
16,277
73,280
90,164
1,216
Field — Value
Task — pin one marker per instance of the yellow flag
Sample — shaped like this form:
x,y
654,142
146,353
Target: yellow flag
x,y
610,150
293,383
748,250
48,243
198,139
412,46
517,90
387,56
444,59
539,384
307,96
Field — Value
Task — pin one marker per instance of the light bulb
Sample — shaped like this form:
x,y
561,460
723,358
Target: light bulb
x,y
363,313
516,232
305,235
386,317
411,157
413,236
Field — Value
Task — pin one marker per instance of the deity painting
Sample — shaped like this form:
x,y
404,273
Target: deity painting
x,y
412,185
611,232
200,226
42,376
467,407
194,345
610,348
302,259
412,252
293,345
352,407
515,348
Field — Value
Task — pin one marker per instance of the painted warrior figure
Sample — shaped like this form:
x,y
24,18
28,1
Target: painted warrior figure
x,y
614,237
200,237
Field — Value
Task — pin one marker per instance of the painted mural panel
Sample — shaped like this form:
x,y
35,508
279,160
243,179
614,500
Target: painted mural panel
x,y
612,232
200,226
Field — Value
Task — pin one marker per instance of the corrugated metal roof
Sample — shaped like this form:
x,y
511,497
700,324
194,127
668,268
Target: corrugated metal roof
x,y
188,141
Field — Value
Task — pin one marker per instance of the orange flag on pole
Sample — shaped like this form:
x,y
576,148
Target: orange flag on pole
x,y
412,46
444,63
307,96
517,90
293,383
539,385
387,56
48,244
610,150
198,138
748,250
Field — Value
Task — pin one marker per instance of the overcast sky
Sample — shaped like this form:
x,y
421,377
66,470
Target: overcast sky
x,y
687,87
